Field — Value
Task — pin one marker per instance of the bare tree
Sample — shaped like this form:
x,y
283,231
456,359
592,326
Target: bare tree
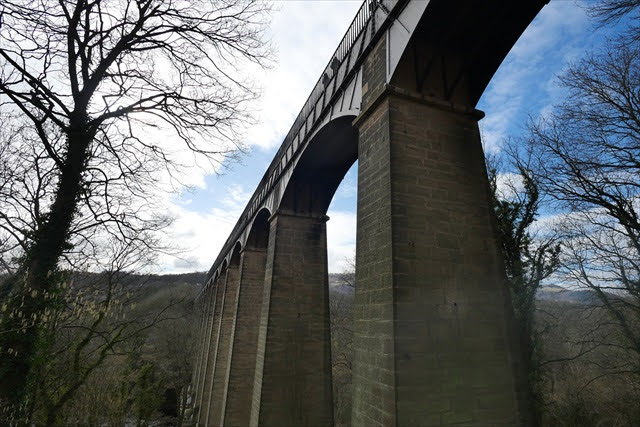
x,y
588,158
170,347
583,159
608,12
99,95
341,309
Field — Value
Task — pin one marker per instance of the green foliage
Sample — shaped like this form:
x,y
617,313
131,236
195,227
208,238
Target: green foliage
x,y
147,395
527,260
100,353
22,326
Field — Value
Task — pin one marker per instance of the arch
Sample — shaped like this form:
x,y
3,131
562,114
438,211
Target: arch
x,y
220,271
322,166
258,237
212,282
234,260
418,64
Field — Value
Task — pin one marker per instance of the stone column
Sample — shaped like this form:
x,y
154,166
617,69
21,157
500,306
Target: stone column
x,y
223,359
209,369
435,341
293,367
199,350
245,336
209,301
204,312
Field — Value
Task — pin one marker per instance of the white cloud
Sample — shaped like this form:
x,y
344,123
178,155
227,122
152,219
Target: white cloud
x,y
509,185
305,33
555,22
201,235
341,239
525,82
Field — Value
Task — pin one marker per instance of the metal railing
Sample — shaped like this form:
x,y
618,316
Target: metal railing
x,y
342,52
356,27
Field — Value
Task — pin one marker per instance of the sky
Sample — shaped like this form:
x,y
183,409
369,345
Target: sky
x,y
305,34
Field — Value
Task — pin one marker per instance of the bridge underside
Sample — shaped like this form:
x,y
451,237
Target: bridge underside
x,y
458,45
434,336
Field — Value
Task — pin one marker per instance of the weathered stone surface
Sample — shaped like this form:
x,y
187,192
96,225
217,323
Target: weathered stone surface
x,y
293,370
433,322
223,358
206,348
209,370
196,381
245,337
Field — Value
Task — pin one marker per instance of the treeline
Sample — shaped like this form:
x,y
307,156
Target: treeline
x,y
585,375
114,350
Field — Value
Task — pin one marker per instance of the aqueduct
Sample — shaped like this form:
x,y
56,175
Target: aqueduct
x,y
435,341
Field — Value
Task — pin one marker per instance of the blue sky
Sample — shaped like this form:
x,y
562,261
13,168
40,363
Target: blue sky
x,y
305,34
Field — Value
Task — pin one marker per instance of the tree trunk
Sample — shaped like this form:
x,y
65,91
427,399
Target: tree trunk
x,y
39,269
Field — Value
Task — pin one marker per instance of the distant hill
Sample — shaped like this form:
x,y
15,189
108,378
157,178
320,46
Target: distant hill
x,y
196,279
148,280
546,293
337,286
560,294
